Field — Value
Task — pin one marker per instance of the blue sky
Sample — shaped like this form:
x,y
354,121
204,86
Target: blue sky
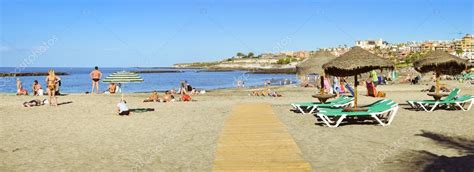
x,y
160,33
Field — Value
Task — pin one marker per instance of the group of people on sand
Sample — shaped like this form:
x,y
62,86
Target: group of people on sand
x,y
340,85
96,76
36,88
266,92
53,84
168,96
183,94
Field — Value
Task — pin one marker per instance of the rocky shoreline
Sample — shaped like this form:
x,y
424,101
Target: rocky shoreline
x,y
30,74
158,71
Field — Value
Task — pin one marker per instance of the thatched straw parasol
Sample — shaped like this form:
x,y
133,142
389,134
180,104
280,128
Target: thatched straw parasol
x,y
355,62
440,62
314,64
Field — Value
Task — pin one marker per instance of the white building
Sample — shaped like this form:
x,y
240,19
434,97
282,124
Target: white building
x,y
371,44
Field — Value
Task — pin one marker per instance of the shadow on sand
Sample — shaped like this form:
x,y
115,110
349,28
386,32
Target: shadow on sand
x,y
427,161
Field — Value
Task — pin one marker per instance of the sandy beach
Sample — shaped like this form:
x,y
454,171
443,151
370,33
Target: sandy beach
x,y
86,135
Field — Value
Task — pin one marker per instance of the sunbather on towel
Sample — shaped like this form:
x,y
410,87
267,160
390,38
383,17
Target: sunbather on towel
x,y
153,97
273,93
35,102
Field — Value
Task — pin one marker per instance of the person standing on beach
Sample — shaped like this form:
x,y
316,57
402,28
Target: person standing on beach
x,y
51,81
96,75
375,77
336,87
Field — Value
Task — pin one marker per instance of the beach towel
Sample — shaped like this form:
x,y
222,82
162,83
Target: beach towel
x,y
186,98
371,89
350,89
141,110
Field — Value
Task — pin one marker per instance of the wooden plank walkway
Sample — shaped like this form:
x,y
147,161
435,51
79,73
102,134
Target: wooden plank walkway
x,y
254,139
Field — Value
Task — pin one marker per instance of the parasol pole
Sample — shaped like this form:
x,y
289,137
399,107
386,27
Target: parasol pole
x,y
355,92
437,82
321,78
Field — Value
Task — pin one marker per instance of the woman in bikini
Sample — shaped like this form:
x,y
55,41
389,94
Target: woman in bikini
x,y
51,82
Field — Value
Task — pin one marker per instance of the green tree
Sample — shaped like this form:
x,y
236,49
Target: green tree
x,y
250,55
459,52
239,54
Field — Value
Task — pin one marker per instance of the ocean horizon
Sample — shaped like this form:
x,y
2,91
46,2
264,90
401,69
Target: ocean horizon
x,y
78,80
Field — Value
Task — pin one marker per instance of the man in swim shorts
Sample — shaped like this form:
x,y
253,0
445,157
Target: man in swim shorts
x,y
96,75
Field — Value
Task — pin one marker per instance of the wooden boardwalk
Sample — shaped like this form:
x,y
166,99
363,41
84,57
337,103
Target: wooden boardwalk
x,y
254,139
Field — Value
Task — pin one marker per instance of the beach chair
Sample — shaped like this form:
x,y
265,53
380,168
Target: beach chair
x,y
460,102
310,107
430,105
383,111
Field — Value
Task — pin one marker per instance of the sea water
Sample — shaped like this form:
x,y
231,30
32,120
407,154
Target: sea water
x,y
79,81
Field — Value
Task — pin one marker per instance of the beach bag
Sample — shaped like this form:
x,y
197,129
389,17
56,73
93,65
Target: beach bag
x,y
381,94
186,98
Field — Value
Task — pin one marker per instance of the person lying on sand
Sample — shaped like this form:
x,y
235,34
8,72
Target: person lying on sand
x,y
267,92
153,97
122,108
35,102
168,97
273,93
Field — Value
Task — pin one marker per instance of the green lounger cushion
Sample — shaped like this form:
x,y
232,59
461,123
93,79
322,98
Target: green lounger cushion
x,y
452,95
379,106
329,103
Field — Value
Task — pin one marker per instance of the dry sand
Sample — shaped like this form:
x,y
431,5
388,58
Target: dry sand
x,y
85,135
